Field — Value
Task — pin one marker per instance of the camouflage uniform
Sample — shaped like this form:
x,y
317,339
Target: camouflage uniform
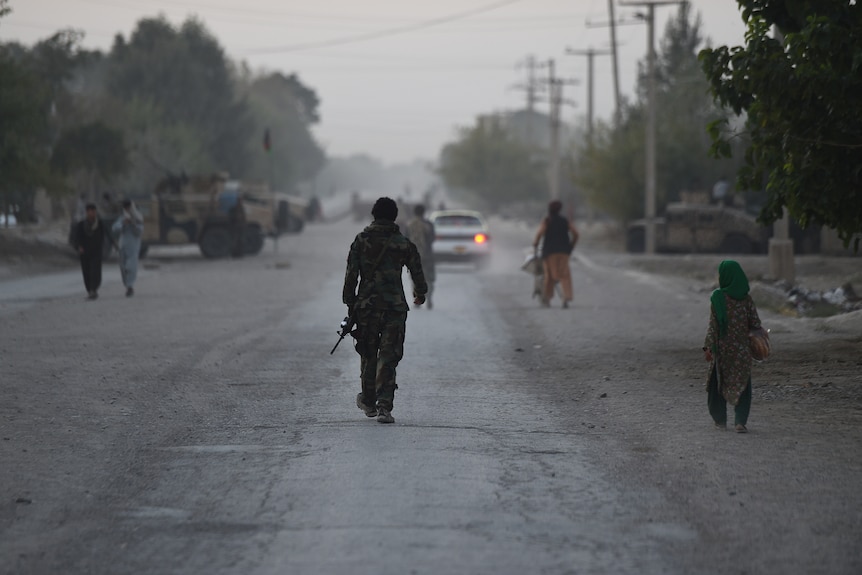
x,y
381,307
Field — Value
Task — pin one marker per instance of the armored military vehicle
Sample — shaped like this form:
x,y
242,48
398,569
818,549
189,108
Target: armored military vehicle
x,y
219,215
701,228
292,212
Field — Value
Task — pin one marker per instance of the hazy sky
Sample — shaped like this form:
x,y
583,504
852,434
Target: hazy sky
x,y
399,96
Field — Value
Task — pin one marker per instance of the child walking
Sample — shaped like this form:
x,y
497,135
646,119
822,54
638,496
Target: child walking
x,y
732,317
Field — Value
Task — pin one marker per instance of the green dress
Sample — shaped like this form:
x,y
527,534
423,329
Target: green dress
x,y
731,352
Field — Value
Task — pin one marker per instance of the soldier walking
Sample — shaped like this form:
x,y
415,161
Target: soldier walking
x,y
376,259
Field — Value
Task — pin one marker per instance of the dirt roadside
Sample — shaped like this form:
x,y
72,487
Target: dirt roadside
x,y
26,251
781,499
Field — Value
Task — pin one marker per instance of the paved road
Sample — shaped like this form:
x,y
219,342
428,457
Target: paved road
x,y
202,427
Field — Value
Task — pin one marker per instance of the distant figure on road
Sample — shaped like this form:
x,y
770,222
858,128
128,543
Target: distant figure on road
x,y
732,316
89,241
721,192
236,217
558,238
376,259
109,207
420,231
127,231
314,210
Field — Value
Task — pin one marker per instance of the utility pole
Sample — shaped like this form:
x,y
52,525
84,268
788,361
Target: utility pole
x,y
531,88
649,199
590,54
531,84
615,52
555,97
612,24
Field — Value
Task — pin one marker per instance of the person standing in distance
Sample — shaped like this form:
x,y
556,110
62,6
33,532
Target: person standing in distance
x,y
558,237
376,259
89,241
420,231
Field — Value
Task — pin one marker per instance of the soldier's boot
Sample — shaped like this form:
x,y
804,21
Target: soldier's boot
x,y
384,415
370,410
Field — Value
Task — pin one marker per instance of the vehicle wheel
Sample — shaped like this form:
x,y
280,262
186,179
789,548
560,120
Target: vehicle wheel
x,y
142,252
252,240
736,244
216,242
636,240
294,224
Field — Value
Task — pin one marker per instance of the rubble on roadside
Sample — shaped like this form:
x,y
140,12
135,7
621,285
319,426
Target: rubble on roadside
x,y
800,301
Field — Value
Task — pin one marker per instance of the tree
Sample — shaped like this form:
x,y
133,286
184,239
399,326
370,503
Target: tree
x,y
29,95
283,107
611,167
803,100
492,166
94,149
37,106
23,133
184,77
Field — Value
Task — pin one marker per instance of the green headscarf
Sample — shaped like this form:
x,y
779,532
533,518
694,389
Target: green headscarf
x,y
731,281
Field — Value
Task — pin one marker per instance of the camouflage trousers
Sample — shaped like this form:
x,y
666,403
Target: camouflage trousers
x,y
380,343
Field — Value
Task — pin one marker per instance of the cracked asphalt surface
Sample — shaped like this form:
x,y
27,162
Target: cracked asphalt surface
x,y
202,427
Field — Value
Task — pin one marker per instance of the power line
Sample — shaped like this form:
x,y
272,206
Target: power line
x,y
205,7
383,33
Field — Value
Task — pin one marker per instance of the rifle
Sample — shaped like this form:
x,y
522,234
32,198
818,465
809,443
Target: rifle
x,y
347,325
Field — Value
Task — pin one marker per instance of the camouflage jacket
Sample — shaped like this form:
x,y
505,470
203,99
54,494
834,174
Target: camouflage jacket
x,y
384,290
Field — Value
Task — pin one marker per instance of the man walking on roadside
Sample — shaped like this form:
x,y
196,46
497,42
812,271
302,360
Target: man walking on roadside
x,y
89,240
376,259
127,230
420,231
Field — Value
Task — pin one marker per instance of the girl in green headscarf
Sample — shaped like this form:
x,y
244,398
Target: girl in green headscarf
x,y
732,316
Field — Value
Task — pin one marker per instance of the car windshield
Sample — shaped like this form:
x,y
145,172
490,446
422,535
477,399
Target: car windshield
x,y
457,221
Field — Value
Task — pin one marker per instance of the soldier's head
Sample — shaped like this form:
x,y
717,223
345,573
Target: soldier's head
x,y
385,209
419,210
91,212
555,207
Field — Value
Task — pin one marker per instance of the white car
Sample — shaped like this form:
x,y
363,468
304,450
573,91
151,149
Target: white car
x,y
461,236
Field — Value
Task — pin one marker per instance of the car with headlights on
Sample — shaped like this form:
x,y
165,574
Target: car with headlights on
x,y
461,236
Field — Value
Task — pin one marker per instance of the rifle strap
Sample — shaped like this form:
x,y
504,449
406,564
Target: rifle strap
x,y
380,257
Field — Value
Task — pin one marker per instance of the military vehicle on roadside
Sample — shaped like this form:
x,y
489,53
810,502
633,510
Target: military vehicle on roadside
x,y
215,213
292,212
701,228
